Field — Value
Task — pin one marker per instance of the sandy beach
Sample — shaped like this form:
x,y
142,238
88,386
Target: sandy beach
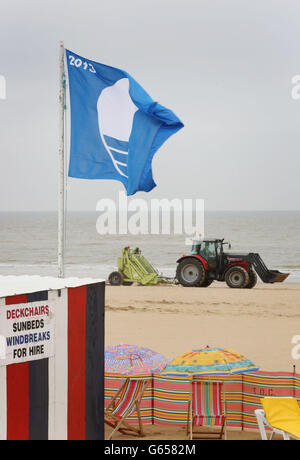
x,y
259,323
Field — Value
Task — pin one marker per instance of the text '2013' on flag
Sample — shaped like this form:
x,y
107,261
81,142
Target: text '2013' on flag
x,y
116,127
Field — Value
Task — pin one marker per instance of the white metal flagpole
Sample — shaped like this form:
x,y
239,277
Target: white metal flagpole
x,y
61,165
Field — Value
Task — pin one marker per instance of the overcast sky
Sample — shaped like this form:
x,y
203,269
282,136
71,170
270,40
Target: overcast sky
x,y
223,66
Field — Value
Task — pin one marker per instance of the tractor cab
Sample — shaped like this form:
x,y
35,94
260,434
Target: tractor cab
x,y
211,251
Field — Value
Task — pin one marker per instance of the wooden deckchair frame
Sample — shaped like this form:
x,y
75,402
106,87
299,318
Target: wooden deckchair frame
x,y
119,424
212,434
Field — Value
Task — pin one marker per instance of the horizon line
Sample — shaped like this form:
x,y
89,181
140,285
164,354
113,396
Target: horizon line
x,y
205,210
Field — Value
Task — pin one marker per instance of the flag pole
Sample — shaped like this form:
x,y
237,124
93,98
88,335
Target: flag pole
x,y
61,164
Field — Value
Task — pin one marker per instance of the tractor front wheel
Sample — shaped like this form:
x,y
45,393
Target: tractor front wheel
x,y
115,279
237,277
190,272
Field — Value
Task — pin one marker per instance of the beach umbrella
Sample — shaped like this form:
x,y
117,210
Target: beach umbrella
x,y
130,360
209,362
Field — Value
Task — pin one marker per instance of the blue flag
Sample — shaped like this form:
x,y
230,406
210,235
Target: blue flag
x,y
116,127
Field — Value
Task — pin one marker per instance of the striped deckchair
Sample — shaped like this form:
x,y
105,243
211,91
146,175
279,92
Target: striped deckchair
x,y
207,408
122,405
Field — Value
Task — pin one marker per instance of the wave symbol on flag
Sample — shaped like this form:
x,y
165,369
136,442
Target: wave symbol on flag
x,y
115,119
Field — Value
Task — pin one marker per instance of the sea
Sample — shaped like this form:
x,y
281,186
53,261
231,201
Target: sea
x,y
29,242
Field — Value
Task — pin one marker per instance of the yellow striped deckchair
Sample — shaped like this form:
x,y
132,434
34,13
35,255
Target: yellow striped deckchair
x,y
206,408
122,405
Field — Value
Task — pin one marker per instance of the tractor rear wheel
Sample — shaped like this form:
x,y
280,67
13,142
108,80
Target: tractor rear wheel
x,y
237,277
115,279
253,279
190,272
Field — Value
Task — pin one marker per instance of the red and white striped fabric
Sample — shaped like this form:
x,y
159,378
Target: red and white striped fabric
x,y
207,403
59,397
132,388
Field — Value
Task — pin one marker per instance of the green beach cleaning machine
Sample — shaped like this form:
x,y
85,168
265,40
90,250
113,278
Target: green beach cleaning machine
x,y
133,267
207,262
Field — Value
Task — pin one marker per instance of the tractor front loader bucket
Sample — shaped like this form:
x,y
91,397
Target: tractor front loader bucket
x,y
266,275
278,277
